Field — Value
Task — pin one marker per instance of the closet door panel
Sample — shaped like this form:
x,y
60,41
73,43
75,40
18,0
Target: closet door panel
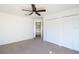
x,y
67,32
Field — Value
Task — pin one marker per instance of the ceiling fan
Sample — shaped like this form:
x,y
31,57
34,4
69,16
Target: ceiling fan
x,y
34,10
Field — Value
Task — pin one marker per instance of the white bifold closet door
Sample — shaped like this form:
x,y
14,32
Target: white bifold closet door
x,y
63,31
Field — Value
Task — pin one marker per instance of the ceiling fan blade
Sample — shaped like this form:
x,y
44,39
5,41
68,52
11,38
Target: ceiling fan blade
x,y
38,14
31,13
33,7
26,10
41,10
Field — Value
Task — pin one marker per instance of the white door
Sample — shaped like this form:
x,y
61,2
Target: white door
x,y
67,29
76,33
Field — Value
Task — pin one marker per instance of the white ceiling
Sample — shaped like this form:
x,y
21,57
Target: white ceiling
x,y
50,8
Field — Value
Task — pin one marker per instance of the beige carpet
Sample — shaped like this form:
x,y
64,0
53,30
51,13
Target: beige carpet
x,y
34,46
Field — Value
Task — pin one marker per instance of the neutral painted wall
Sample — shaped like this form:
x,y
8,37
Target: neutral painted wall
x,y
15,28
63,29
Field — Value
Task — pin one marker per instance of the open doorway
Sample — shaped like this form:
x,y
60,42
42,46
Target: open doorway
x,y
38,29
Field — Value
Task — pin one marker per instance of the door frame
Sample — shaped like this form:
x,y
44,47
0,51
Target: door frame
x,y
34,23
